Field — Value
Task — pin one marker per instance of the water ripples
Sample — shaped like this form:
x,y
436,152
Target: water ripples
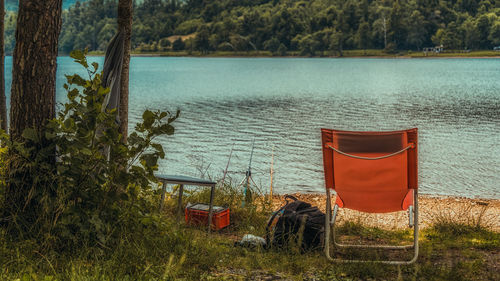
x,y
282,104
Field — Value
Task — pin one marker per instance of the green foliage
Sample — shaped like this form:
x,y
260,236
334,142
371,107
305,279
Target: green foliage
x,y
363,36
188,26
282,50
178,45
171,251
460,235
229,25
308,45
77,183
201,41
494,36
272,45
12,5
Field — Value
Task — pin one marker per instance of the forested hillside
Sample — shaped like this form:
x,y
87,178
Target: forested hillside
x,y
310,27
11,5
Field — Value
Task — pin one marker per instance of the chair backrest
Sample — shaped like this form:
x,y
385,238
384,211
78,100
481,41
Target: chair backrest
x,y
372,172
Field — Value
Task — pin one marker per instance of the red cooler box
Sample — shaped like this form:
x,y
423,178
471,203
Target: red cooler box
x,y
197,214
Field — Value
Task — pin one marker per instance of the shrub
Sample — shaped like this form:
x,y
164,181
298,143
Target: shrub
x,y
85,186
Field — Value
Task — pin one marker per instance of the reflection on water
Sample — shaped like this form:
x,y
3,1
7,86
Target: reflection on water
x,y
283,103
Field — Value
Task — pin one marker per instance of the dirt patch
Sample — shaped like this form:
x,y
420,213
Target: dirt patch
x,y
183,37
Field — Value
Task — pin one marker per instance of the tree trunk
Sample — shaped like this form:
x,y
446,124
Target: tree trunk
x,y
32,105
3,103
34,65
125,24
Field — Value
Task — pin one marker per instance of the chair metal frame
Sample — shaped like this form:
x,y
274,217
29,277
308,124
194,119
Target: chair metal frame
x,y
330,227
330,220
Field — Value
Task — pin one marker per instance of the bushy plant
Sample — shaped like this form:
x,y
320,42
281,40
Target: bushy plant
x,y
80,183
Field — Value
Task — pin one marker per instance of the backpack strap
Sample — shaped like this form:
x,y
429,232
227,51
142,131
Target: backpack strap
x,y
279,211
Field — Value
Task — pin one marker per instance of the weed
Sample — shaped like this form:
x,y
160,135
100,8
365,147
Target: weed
x,y
169,250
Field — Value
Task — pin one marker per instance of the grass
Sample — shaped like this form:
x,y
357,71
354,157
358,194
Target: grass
x,y
450,250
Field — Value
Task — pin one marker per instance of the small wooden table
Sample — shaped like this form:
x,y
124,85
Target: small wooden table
x,y
183,180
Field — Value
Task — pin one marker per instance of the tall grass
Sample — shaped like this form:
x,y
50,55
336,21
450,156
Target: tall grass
x,y
453,249
477,215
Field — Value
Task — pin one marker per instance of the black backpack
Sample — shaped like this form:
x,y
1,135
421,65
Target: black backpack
x,y
297,221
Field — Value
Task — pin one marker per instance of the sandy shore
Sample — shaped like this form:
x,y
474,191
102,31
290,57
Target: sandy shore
x,y
485,212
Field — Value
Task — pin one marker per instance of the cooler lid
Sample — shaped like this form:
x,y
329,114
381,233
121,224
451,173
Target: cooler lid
x,y
204,207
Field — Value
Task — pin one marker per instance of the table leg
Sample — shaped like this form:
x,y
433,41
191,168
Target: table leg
x,y
163,191
210,208
179,202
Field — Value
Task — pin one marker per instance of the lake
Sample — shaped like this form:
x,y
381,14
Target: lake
x,y
282,103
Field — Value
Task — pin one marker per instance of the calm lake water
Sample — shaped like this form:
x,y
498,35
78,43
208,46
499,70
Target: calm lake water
x,y
283,102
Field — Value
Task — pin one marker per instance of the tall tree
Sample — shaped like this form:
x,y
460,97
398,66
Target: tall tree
x,y
483,28
363,36
494,36
34,65
32,105
125,24
416,30
3,102
397,25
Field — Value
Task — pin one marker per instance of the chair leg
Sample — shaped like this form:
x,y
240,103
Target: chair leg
x,y
410,216
415,228
330,228
328,224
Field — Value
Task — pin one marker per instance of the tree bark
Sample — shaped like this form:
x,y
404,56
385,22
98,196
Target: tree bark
x,y
34,65
32,105
3,102
125,14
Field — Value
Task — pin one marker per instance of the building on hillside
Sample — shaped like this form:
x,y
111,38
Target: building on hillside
x,y
436,50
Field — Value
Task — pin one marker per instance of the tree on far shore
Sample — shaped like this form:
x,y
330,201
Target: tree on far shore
x,y
363,36
178,44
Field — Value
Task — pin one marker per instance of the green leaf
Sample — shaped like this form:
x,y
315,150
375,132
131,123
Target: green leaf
x,y
159,148
69,123
73,94
172,119
103,91
77,54
62,169
167,129
49,135
30,134
86,151
76,79
79,57
149,118
149,160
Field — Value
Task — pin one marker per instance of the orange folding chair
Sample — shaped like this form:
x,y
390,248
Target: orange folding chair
x,y
374,172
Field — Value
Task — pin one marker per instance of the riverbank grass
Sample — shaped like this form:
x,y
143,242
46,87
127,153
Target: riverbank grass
x,y
171,250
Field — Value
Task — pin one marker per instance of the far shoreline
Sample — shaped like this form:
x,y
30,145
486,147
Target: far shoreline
x,y
370,54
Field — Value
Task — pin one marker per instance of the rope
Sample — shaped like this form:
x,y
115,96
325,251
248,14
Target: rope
x,y
371,158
